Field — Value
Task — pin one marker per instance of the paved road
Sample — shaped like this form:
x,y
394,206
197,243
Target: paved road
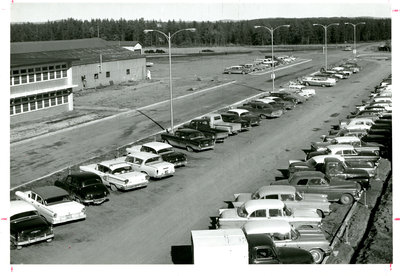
x,y
152,225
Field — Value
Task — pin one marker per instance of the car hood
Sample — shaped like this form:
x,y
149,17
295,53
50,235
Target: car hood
x,y
288,255
130,175
160,165
308,213
66,208
173,156
312,237
314,198
95,189
35,222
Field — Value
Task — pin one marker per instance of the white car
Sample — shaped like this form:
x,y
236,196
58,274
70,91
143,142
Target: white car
x,y
117,175
150,164
301,90
357,123
266,209
319,81
54,204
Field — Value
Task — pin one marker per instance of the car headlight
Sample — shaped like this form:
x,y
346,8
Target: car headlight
x,y
54,215
84,210
89,196
147,177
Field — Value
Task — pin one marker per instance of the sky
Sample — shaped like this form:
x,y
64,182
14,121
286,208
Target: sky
x,y
189,10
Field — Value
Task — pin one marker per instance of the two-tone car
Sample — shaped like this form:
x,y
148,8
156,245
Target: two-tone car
x,y
166,151
54,204
288,194
189,139
285,235
313,182
84,187
244,114
318,81
266,209
27,226
356,142
264,110
117,175
232,118
149,163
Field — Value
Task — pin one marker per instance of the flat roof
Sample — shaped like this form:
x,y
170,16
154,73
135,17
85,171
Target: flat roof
x,y
275,189
25,60
257,204
266,227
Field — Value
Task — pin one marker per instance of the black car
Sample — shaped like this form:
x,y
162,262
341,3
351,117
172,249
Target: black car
x,y
189,139
84,187
232,118
27,226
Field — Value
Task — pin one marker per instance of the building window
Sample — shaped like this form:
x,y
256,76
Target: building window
x,y
45,75
24,79
96,76
51,75
25,104
53,99
39,102
128,71
11,80
38,76
65,95
64,73
59,97
108,74
46,100
16,80
17,103
58,74
11,109
31,78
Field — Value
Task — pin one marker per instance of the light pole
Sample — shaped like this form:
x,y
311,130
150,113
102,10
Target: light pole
x,y
326,44
354,25
271,30
169,37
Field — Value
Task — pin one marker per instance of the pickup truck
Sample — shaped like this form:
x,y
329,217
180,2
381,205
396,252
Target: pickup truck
x,y
232,118
353,169
203,125
231,247
216,122
313,182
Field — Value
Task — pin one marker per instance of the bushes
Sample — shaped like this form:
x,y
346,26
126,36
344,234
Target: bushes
x,y
157,51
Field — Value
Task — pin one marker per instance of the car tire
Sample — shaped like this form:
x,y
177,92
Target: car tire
x,y
262,116
190,149
317,255
346,199
323,85
113,187
49,240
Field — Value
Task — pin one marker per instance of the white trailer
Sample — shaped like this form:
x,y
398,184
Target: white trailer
x,y
221,246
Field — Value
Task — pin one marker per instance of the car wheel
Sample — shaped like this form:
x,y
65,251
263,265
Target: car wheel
x,y
189,148
19,247
113,187
229,73
49,240
346,199
262,116
323,85
320,213
317,255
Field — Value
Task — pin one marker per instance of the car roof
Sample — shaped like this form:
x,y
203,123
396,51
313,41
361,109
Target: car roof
x,y
309,173
49,191
238,110
257,204
321,158
266,226
340,146
143,155
157,145
84,175
276,189
20,206
342,139
112,164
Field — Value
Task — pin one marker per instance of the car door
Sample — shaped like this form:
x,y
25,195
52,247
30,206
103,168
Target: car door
x,y
260,214
319,186
136,163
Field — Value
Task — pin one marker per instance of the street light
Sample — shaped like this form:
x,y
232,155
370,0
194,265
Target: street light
x,y
271,30
326,46
354,25
169,37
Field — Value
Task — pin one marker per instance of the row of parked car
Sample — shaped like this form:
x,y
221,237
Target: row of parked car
x,y
329,77
290,211
258,65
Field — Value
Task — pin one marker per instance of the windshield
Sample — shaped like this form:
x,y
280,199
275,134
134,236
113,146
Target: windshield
x,y
241,211
255,195
122,170
295,234
311,162
153,160
57,200
287,211
167,150
91,181
24,215
287,197
196,136
299,197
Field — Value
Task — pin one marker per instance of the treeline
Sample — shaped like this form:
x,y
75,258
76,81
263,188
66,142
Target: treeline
x,y
220,33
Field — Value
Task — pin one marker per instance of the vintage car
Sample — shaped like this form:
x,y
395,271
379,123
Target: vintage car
x,y
165,150
232,118
285,104
288,95
359,145
288,194
237,70
117,175
244,114
204,125
149,163
344,132
189,139
357,123
266,209
264,110
313,182
348,152
54,204
84,187
301,90
318,81
27,226
285,235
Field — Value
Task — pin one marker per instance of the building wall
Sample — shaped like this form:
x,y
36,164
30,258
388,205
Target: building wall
x,y
39,114
112,72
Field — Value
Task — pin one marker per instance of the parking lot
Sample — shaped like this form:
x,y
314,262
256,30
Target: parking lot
x,y
147,225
